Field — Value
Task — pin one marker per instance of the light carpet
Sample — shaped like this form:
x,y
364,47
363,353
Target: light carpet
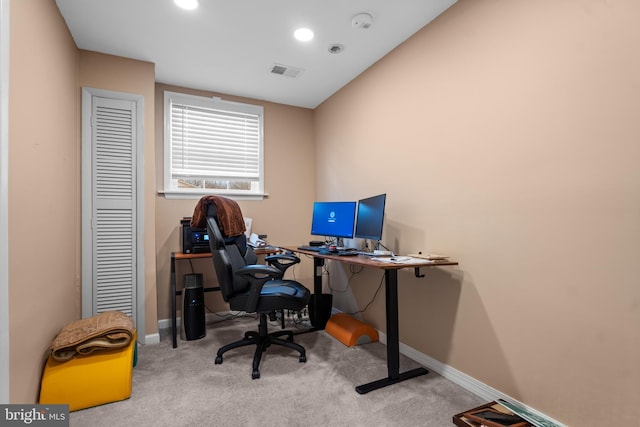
x,y
183,387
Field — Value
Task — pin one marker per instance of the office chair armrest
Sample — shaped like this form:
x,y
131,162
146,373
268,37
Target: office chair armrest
x,y
257,275
259,272
282,261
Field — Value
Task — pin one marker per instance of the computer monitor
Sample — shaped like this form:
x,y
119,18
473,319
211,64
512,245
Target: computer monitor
x,y
333,219
370,217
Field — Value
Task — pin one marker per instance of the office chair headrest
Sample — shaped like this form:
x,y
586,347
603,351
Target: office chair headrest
x,y
227,213
239,240
212,211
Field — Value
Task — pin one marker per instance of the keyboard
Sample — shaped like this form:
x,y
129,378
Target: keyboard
x,y
345,253
312,248
325,250
363,253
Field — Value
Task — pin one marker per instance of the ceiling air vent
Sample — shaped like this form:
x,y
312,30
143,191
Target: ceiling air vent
x,y
285,70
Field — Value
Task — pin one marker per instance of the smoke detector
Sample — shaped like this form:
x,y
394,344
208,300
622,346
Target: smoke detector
x,y
362,21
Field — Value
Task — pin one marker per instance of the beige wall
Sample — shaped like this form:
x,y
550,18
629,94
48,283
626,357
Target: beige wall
x,y
47,72
506,135
284,215
44,203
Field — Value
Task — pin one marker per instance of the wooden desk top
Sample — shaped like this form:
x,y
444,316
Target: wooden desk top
x,y
375,262
258,251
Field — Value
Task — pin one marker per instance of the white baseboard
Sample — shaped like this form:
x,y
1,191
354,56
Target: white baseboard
x,y
465,381
209,318
470,384
152,339
166,323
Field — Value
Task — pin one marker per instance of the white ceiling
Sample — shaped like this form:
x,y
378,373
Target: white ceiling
x,y
231,46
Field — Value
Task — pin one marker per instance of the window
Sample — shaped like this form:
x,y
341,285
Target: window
x,y
212,146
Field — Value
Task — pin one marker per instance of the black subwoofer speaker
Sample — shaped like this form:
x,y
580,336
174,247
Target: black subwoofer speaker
x,y
193,318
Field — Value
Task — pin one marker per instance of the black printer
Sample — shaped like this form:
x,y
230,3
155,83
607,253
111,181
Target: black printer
x,y
194,239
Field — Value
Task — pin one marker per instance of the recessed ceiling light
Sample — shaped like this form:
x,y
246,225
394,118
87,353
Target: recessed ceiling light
x,y
187,4
303,34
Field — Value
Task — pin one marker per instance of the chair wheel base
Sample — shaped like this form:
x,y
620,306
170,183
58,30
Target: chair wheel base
x,y
263,340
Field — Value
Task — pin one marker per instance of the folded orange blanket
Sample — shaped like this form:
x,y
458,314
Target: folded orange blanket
x,y
105,331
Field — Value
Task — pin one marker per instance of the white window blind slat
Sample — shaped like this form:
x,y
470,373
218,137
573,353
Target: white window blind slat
x,y
214,143
212,140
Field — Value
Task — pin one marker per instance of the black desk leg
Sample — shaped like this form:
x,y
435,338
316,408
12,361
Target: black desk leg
x,y
393,340
173,301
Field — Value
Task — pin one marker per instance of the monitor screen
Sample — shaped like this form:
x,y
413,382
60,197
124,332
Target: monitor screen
x,y
333,219
370,217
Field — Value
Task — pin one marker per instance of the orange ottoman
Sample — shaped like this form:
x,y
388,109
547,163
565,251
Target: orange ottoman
x,y
84,381
349,330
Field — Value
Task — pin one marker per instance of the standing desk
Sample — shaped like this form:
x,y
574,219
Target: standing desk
x,y
175,256
391,291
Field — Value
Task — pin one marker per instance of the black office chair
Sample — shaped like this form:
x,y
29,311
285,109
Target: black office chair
x,y
254,288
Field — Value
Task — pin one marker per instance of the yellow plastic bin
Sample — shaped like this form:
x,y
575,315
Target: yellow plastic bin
x,y
85,381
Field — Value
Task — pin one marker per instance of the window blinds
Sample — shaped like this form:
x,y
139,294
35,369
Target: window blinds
x,y
213,143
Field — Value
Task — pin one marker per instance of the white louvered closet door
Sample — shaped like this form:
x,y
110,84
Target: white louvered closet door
x,y
113,200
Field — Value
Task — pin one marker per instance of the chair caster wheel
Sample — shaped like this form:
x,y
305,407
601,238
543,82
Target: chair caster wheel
x,y
255,375
218,360
303,359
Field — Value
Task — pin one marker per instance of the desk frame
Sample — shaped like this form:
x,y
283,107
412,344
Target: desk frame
x,y
391,301
175,292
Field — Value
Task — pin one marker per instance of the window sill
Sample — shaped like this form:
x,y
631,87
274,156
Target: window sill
x,y
195,195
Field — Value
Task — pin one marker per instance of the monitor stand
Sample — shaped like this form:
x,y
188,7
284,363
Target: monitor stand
x,y
371,245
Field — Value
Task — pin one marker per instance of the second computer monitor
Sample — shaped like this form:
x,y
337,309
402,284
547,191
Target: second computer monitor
x,y
370,217
333,219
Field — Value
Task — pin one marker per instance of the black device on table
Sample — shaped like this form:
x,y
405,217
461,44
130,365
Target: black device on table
x,y
328,250
339,252
194,239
